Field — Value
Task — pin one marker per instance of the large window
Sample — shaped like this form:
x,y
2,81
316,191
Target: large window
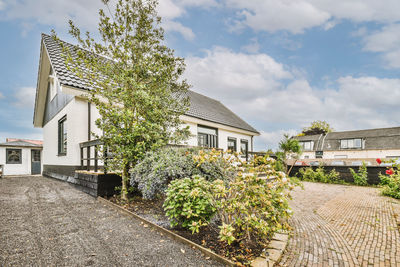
x,y
232,144
244,147
13,156
62,136
351,143
207,137
307,145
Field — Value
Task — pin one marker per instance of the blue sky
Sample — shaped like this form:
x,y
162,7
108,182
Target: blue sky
x,y
277,64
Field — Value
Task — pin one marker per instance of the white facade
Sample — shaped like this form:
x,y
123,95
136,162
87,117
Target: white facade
x,y
76,112
23,168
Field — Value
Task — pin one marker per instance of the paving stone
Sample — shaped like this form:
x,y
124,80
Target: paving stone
x,y
281,237
279,245
338,225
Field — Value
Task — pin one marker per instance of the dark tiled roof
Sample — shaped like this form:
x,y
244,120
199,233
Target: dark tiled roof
x,y
20,144
201,106
380,138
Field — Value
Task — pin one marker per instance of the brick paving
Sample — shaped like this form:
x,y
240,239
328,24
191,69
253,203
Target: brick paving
x,y
338,225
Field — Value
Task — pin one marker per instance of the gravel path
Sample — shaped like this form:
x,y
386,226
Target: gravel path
x,y
45,222
338,225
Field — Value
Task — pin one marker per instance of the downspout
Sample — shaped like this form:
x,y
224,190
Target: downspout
x,y
89,119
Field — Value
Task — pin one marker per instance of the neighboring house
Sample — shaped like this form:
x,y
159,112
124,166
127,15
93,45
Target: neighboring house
x,y
21,157
351,147
68,119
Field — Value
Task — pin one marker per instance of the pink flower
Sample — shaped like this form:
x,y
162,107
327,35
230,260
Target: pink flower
x,y
389,172
379,161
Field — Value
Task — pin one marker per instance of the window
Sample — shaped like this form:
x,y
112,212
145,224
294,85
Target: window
x,y
340,156
244,147
13,156
52,84
62,136
351,143
307,145
232,144
207,137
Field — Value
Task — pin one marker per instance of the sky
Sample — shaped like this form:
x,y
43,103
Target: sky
x,y
278,64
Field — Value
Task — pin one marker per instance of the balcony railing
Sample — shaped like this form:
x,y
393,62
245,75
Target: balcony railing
x,y
87,158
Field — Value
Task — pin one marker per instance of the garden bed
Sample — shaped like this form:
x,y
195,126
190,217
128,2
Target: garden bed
x,y
153,211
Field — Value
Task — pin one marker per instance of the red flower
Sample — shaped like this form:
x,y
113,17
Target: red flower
x,y
389,172
379,161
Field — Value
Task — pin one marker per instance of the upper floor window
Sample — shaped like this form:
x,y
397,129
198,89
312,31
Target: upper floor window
x,y
207,137
307,145
62,136
351,143
52,84
232,144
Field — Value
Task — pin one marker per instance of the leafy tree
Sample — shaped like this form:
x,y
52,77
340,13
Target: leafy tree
x,y
136,82
317,127
288,148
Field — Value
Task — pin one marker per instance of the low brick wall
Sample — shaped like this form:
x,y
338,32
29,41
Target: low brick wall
x,y
94,184
345,174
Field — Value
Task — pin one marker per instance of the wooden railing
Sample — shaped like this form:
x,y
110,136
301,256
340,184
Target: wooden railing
x,y
87,146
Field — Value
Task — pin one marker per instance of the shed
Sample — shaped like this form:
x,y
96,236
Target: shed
x,y
21,157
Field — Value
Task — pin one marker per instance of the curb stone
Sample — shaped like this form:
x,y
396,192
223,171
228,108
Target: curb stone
x,y
268,259
273,252
171,234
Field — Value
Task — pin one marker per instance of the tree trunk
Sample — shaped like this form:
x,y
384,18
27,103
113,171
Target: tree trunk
x,y
125,179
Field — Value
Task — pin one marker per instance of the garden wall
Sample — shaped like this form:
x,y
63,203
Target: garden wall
x,y
94,184
345,174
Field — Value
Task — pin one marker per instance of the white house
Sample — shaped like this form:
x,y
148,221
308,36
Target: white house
x,y
351,147
68,119
21,157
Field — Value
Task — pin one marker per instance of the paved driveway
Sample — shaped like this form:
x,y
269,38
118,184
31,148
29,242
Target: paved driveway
x,y
337,225
45,222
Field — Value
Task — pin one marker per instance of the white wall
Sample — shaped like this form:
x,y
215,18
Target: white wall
x,y
223,133
17,169
77,132
355,154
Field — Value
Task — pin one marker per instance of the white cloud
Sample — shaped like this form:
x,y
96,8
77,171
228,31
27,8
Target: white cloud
x,y
264,91
253,47
1,96
387,42
269,140
234,75
296,16
25,97
85,13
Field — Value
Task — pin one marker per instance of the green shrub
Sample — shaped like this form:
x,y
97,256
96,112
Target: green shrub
x,y
391,183
319,175
153,174
252,208
360,177
188,203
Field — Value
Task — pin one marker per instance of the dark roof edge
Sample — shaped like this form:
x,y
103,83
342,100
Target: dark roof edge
x,y
222,124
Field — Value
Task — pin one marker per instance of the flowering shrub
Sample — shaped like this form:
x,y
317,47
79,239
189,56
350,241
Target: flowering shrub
x,y
360,177
188,203
391,181
319,175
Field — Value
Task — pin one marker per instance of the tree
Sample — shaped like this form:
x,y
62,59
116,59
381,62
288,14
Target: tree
x,y
288,148
136,81
317,127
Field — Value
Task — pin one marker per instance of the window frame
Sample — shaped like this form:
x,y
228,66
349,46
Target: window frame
x,y
211,139
344,143
20,155
244,141
232,139
62,151
302,144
